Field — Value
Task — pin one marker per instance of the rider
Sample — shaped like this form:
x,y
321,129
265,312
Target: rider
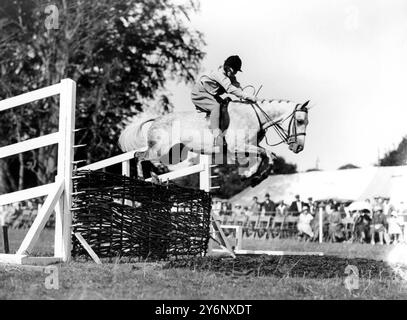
x,y
208,89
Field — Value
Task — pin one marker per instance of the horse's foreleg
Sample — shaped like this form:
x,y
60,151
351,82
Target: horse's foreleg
x,y
252,156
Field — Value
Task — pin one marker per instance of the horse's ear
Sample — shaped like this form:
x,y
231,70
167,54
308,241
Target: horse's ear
x,y
304,106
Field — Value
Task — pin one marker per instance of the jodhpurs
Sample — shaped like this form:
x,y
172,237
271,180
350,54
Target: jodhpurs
x,y
204,101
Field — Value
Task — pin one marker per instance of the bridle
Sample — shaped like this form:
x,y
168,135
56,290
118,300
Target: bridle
x,y
285,136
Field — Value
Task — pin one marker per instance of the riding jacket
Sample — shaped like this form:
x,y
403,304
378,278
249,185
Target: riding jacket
x,y
218,83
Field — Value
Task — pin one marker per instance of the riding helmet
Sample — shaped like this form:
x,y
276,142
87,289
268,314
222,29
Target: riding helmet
x,y
234,62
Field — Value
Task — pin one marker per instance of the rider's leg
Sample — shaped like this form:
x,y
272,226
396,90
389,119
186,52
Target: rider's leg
x,y
214,125
207,102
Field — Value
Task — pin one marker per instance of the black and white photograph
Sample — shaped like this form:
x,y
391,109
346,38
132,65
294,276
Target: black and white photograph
x,y
202,156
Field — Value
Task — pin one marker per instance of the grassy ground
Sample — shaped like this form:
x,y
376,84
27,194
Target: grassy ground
x,y
86,280
345,250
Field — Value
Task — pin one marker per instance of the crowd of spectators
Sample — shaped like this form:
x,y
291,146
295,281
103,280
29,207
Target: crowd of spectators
x,y
22,214
376,221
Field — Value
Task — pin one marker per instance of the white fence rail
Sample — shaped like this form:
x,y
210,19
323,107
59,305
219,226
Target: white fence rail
x,y
58,193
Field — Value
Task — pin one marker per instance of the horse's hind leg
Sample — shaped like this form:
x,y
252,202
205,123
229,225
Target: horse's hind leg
x,y
145,157
139,157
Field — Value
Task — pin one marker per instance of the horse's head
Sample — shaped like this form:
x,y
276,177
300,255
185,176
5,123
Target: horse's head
x,y
289,120
297,128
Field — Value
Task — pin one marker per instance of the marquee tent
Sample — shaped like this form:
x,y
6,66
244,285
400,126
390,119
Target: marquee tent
x,y
352,184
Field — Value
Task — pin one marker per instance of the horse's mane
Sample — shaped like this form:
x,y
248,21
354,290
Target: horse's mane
x,y
277,109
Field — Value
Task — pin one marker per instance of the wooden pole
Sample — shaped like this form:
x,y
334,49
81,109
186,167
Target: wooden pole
x,y
321,226
5,239
63,220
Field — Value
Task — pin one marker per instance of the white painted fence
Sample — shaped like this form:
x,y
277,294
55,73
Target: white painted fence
x,y
60,191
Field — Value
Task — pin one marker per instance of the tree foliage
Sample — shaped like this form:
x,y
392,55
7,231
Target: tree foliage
x,y
232,182
281,166
119,52
396,157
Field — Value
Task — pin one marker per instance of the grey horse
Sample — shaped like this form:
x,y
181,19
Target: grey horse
x,y
155,139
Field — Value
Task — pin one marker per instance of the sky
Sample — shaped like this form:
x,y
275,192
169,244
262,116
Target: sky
x,y
348,57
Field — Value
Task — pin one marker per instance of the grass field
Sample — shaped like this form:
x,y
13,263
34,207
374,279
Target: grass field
x,y
114,280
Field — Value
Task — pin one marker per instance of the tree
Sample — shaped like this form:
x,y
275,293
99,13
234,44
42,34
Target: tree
x,y
280,166
348,166
232,183
120,53
396,157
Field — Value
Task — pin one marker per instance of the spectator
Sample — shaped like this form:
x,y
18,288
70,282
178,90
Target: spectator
x,y
238,211
336,227
311,205
296,206
268,206
342,210
224,208
217,207
246,211
255,206
378,224
282,209
362,225
369,204
395,224
387,207
304,224
329,207
379,201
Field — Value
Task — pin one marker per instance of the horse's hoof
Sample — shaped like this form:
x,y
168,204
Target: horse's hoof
x,y
155,178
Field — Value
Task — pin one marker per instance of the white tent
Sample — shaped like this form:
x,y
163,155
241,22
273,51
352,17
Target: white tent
x,y
352,184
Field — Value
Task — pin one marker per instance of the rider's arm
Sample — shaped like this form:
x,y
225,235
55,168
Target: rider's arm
x,y
231,88
238,92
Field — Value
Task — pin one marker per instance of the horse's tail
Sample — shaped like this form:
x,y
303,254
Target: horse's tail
x,y
134,135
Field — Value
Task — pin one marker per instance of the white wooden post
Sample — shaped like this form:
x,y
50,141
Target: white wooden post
x,y
205,184
126,168
239,238
205,174
63,217
60,192
126,172
321,221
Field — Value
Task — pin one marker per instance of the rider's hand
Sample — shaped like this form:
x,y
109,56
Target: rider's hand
x,y
252,99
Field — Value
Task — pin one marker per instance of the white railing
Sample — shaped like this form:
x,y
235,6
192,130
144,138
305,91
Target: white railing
x,y
58,193
203,168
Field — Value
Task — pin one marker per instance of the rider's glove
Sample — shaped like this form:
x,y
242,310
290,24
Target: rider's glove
x,y
252,99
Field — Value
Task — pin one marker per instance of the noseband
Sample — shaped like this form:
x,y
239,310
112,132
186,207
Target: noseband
x,y
283,134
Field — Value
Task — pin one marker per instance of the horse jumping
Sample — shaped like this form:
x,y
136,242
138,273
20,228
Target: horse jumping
x,y
155,138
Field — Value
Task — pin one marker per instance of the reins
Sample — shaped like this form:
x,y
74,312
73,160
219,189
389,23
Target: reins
x,y
283,134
